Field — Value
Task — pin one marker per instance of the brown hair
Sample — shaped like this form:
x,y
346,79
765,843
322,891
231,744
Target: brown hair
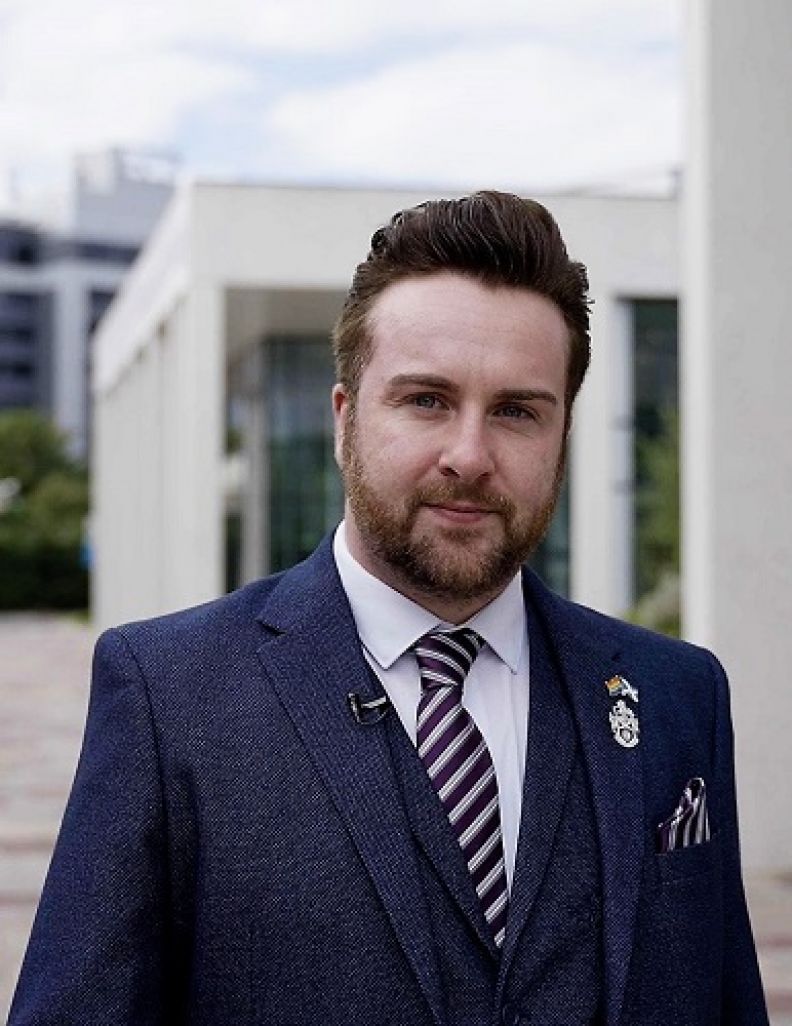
x,y
495,237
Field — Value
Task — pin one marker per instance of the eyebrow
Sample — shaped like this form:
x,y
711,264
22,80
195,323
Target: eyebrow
x,y
526,395
503,395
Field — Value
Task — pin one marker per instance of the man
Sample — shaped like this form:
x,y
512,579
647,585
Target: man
x,y
403,783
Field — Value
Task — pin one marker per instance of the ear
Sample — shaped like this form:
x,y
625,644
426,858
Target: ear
x,y
340,414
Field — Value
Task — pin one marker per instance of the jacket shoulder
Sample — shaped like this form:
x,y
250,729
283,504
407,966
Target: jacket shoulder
x,y
633,635
579,623
228,621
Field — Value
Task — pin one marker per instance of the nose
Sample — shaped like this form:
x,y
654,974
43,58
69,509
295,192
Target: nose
x,y
466,454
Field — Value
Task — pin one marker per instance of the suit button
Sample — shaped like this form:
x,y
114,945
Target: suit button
x,y
509,1015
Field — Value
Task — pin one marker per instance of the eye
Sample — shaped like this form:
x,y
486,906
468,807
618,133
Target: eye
x,y
513,411
426,401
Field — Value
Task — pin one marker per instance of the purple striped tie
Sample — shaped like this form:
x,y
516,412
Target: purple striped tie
x,y
459,765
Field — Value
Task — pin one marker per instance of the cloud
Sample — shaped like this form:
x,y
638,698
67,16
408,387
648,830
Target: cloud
x,y
338,25
499,87
514,114
326,26
83,76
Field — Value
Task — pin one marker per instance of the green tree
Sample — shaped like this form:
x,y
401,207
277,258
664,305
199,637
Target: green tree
x,y
30,448
42,516
657,501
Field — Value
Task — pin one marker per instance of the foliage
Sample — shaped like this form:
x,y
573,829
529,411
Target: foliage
x,y
657,527
42,526
660,608
30,447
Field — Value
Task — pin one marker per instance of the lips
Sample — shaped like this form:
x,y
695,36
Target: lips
x,y
460,514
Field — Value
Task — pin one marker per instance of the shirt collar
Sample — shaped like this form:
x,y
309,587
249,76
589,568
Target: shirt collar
x,y
388,623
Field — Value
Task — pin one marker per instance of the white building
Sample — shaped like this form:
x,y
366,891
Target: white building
x,y
57,277
212,408
735,375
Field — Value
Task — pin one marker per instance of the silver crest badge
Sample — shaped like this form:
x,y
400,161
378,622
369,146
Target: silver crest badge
x,y
624,724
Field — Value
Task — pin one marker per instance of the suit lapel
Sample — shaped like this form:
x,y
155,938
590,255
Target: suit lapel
x,y
588,656
312,658
550,752
434,833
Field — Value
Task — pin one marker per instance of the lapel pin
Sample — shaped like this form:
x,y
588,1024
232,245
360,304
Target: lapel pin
x,y
619,686
624,724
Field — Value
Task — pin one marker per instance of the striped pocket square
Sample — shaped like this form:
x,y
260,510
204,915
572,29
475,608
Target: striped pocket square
x,y
689,823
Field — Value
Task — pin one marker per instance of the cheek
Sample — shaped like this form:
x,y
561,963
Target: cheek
x,y
392,446
398,465
529,472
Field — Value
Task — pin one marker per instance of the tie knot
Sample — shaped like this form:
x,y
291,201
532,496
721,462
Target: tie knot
x,y
445,657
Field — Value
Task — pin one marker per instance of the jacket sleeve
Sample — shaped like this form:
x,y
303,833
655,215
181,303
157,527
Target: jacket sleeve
x,y
743,1002
98,947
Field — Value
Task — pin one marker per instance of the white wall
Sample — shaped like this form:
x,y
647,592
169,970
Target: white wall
x,y
157,525
737,368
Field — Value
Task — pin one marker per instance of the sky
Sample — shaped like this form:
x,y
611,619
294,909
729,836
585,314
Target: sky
x,y
536,95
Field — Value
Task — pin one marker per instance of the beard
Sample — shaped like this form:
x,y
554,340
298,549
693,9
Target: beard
x,y
451,563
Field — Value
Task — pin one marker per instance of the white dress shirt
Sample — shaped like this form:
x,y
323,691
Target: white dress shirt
x,y
496,689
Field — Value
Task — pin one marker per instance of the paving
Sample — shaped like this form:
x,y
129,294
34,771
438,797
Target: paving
x,y
44,674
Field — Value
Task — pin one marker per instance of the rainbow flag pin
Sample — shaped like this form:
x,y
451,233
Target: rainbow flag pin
x,y
619,686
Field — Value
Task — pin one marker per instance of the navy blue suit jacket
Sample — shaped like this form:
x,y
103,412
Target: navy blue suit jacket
x,y
235,850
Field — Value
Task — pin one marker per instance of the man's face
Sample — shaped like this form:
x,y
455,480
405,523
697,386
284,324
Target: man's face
x,y
452,451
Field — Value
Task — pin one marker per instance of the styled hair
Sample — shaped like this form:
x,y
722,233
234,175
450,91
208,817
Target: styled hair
x,y
493,237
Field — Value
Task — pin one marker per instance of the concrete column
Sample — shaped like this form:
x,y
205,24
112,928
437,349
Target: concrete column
x,y
601,467
202,570
69,378
255,499
736,374
158,498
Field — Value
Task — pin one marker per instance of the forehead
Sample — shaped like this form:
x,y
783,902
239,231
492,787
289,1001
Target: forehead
x,y
453,318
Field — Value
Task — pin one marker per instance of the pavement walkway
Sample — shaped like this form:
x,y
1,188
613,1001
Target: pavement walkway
x,y
44,674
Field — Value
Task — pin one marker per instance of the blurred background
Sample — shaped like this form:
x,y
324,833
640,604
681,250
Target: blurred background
x,y
185,190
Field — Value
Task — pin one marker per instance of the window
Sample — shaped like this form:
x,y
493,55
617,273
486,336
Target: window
x,y
19,245
306,497
18,306
551,559
17,369
656,457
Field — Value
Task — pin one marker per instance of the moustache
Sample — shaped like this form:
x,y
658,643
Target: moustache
x,y
441,495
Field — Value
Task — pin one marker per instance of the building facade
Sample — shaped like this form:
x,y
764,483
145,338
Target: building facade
x,y
57,279
201,467
213,450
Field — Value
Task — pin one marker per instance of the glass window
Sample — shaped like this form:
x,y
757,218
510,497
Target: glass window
x,y
17,335
18,306
16,369
19,245
306,497
551,559
104,252
656,461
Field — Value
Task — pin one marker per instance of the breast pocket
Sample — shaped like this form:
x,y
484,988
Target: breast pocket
x,y
674,867
677,963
